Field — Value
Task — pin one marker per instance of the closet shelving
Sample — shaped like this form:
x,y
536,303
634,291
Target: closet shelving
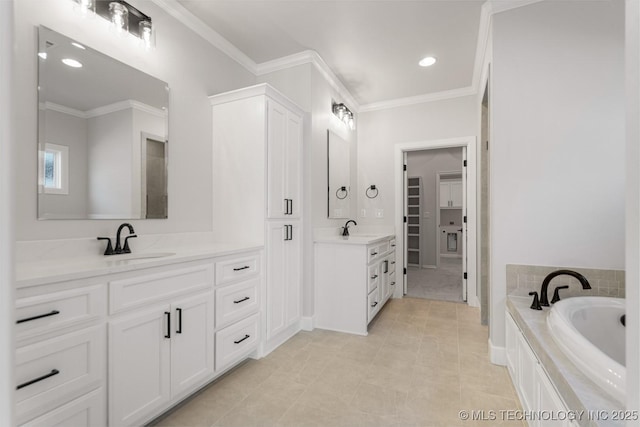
x,y
414,212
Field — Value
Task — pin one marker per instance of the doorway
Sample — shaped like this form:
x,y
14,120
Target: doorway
x,y
458,246
435,232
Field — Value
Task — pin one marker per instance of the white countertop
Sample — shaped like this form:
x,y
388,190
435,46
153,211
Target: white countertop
x,y
354,239
40,272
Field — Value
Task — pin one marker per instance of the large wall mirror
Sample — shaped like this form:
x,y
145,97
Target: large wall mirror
x,y
339,175
102,135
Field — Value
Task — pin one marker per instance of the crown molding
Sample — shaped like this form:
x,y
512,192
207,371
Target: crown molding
x,y
106,109
314,58
62,109
419,99
179,12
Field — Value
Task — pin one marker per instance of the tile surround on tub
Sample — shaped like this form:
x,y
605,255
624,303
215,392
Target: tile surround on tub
x,y
522,279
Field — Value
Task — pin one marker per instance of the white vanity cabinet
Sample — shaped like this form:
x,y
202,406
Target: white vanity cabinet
x,y
163,350
353,281
61,355
257,181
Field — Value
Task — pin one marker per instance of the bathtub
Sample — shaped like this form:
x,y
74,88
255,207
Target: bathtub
x,y
589,331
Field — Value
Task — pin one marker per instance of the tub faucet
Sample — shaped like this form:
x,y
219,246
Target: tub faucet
x,y
345,229
125,249
545,283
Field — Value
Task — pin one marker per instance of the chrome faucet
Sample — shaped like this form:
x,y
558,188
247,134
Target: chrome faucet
x,y
345,229
545,283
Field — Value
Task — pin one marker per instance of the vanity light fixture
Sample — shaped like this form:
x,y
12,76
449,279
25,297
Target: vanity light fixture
x,y
72,63
124,18
344,114
427,62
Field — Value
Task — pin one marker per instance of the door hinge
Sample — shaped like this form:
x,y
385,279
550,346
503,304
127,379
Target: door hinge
x,y
404,167
405,271
487,144
465,276
464,219
464,163
405,219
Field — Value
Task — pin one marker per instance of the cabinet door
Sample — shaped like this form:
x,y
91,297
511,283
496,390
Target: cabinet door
x,y
283,276
293,291
293,161
445,194
456,194
276,277
139,366
277,203
191,342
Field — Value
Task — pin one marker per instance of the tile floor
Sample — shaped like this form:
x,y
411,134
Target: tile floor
x,y
422,362
443,283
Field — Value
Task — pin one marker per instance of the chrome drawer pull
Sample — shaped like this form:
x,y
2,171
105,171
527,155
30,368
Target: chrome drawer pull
x,y
241,268
242,339
241,300
36,380
28,319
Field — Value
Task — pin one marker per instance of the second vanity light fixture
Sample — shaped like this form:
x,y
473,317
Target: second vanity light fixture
x,y
343,113
124,18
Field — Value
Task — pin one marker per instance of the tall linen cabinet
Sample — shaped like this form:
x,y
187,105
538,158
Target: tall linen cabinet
x,y
257,181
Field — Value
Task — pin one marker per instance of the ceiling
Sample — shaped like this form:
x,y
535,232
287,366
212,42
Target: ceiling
x,y
372,46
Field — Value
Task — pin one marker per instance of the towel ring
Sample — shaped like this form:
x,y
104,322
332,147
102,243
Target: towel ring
x,y
371,189
342,190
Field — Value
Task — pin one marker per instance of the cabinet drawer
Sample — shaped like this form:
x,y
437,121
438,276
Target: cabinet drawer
x,y
373,304
55,311
86,411
237,301
383,247
236,341
54,371
392,262
145,289
373,277
373,253
392,283
392,244
238,268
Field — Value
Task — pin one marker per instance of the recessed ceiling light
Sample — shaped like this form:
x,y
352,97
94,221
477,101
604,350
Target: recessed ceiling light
x,y
427,62
42,55
78,45
71,63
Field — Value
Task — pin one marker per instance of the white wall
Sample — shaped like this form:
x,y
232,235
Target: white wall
x,y
380,130
632,61
427,164
71,131
557,159
192,68
7,303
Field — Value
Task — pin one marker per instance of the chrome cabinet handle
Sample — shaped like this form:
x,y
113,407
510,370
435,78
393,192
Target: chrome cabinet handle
x,y
40,316
36,380
242,339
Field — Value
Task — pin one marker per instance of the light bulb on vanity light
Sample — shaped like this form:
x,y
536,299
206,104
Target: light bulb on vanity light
x,y
119,17
147,36
86,6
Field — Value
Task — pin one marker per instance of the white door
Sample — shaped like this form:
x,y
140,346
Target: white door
x,y
293,161
405,232
277,232
191,342
139,365
277,200
293,272
463,202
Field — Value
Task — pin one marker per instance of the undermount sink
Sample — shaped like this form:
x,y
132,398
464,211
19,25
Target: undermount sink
x,y
147,255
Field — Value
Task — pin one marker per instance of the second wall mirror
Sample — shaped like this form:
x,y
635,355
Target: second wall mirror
x,y
339,176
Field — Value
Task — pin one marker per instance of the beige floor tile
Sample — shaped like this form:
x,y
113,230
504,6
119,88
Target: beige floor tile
x,y
399,379
435,404
487,406
378,400
260,411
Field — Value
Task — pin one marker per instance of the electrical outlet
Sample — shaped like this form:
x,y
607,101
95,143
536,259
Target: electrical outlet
x,y
379,213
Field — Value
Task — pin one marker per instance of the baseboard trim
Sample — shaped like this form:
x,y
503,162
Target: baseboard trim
x,y
307,323
275,342
450,256
430,266
497,355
